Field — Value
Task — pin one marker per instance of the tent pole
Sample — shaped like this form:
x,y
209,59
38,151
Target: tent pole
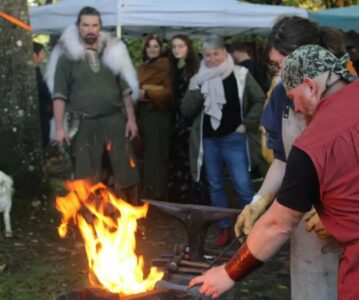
x,y
119,31
120,6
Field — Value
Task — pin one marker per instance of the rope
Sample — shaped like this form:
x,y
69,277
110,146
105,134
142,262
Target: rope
x,y
15,21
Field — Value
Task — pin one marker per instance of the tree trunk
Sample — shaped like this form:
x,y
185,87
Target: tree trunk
x,y
20,136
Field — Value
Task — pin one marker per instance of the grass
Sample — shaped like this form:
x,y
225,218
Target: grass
x,y
35,264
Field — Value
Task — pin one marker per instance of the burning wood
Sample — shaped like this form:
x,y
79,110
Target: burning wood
x,y
109,242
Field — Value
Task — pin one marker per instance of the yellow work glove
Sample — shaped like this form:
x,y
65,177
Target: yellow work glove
x,y
314,223
250,214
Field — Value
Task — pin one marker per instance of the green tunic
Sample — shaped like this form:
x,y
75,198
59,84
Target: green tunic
x,y
97,98
87,92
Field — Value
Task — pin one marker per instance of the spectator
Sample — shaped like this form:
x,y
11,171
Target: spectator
x,y
154,117
240,54
226,103
184,64
45,102
243,55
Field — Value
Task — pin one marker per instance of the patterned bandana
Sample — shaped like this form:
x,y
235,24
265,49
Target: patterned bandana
x,y
311,61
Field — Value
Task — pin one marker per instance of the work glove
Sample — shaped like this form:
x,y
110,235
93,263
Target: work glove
x,y
314,223
251,213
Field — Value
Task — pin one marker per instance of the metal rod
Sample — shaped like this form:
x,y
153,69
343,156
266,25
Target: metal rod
x,y
189,270
194,264
224,252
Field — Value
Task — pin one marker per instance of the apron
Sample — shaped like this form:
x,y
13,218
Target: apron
x,y
313,274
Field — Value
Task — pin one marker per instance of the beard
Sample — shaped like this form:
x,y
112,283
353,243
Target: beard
x,y
90,39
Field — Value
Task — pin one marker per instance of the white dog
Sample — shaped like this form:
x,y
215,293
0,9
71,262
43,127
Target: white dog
x,y
6,192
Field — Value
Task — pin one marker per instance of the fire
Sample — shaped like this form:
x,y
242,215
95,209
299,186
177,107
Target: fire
x,y
109,146
109,241
132,163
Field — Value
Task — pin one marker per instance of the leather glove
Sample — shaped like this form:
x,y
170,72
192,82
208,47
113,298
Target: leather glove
x,y
309,214
314,223
251,213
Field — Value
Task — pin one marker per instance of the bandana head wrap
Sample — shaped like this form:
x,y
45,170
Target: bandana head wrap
x,y
311,61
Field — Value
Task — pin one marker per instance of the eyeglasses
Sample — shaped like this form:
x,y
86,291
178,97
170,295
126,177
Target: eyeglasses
x,y
273,67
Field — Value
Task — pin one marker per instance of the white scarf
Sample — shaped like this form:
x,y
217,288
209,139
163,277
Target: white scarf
x,y
210,80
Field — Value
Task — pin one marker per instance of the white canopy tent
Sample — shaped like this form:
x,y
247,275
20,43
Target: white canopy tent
x,y
136,17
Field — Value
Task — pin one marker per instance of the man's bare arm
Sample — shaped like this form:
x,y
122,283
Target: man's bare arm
x,y
59,112
272,230
131,125
268,235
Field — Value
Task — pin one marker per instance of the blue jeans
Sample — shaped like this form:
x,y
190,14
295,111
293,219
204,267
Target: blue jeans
x,y
231,151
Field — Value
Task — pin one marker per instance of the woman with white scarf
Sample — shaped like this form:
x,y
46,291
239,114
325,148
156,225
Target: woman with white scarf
x,y
226,104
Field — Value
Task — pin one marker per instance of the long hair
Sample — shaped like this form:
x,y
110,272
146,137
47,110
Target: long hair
x,y
289,33
145,43
192,59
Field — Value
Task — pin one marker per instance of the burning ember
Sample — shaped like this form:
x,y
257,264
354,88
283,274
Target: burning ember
x,y
132,163
109,241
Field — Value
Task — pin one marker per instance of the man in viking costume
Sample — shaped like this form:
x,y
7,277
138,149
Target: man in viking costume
x,y
91,77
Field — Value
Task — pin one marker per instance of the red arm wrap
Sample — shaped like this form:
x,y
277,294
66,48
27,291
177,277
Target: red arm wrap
x,y
242,263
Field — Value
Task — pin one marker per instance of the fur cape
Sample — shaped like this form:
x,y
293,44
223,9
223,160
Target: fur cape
x,y
115,57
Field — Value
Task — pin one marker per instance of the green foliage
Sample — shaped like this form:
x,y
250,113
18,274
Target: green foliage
x,y
39,2
311,5
197,45
134,49
256,39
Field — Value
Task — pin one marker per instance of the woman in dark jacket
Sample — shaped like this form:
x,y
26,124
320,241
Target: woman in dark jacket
x,y
184,64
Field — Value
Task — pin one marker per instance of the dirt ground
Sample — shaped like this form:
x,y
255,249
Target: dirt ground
x,y
35,264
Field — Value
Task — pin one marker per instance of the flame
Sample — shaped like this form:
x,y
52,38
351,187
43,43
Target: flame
x,y
132,163
109,242
109,146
